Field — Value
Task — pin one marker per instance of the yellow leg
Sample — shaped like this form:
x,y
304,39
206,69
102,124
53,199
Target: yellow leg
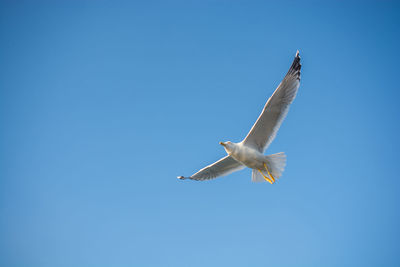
x,y
270,175
265,177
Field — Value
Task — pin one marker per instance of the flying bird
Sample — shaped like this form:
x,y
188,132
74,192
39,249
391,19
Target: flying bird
x,y
250,151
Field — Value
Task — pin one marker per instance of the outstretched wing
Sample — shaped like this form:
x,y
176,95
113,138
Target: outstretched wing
x,y
222,167
267,125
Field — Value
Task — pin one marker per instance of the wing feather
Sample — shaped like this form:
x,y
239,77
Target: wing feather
x,y
267,125
222,167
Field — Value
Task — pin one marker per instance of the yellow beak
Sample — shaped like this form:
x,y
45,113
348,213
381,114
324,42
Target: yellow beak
x,y
222,143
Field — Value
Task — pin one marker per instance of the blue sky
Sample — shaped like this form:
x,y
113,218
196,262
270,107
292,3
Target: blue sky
x,y
104,103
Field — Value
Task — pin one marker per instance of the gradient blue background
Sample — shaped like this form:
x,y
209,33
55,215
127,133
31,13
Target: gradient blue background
x,y
104,103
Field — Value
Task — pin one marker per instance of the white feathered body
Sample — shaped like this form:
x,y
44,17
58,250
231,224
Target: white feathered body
x,y
246,155
257,161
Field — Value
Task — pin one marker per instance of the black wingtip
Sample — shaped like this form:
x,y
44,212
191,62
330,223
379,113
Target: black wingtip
x,y
181,177
296,66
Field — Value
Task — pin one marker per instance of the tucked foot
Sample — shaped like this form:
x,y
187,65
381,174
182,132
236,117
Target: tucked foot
x,y
269,180
266,178
270,175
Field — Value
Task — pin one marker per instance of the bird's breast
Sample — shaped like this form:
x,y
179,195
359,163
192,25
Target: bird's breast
x,y
248,156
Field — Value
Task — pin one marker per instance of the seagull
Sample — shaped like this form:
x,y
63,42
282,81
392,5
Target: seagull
x,y
250,152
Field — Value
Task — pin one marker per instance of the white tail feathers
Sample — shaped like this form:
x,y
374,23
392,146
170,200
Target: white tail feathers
x,y
276,164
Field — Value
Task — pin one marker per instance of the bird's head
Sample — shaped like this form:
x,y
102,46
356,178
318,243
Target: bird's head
x,y
229,146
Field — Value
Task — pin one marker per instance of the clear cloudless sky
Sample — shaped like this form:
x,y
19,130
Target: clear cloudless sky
x,y
104,103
